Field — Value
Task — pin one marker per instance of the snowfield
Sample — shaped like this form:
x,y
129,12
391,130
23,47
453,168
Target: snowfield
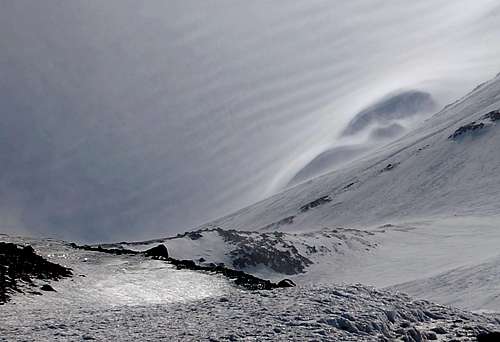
x,y
436,258
133,298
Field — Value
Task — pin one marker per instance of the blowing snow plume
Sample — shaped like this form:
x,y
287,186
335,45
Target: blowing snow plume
x,y
125,119
373,126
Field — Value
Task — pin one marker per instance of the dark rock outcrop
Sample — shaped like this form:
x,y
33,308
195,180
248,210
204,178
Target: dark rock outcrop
x,y
47,287
99,248
286,283
158,252
20,264
315,203
473,126
489,336
271,250
493,116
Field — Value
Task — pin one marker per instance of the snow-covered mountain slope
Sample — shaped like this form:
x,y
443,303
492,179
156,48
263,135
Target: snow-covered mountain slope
x,y
423,174
429,200
123,298
476,287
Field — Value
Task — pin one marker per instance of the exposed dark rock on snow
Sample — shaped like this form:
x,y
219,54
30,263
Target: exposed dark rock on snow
x,y
493,115
240,278
47,287
390,167
99,248
19,265
286,283
392,107
349,185
158,252
486,120
316,203
489,336
271,250
473,126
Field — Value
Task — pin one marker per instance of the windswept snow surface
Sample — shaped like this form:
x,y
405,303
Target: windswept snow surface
x,y
124,298
104,280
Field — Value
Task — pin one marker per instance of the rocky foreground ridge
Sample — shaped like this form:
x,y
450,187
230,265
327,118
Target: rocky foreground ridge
x,y
20,265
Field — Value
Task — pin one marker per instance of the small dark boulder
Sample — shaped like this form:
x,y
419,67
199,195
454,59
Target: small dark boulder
x,y
189,263
439,330
194,235
286,283
493,336
47,287
158,252
28,250
184,264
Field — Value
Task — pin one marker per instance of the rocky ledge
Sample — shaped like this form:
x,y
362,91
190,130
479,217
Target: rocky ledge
x,y
20,265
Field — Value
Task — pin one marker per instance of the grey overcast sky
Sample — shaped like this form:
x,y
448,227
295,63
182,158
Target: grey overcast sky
x,y
126,119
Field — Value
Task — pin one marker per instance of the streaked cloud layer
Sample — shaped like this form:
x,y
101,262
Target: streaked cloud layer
x,y
128,120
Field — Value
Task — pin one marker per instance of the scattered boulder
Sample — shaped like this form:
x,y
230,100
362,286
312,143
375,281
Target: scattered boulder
x,y
158,252
190,264
431,336
413,335
286,283
47,287
439,330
